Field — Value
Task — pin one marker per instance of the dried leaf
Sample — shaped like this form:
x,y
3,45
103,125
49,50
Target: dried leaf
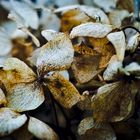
x,y
62,90
96,30
3,100
114,102
89,130
57,54
118,40
10,121
41,130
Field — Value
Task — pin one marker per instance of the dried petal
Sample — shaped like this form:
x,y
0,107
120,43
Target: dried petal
x,y
16,71
41,130
10,121
96,30
62,90
89,130
111,72
25,96
114,102
26,12
118,40
85,67
116,17
107,5
57,54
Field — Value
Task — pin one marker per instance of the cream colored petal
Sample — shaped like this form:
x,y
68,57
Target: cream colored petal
x,y
25,96
57,54
16,71
118,40
41,130
3,100
10,121
90,29
111,72
62,90
50,34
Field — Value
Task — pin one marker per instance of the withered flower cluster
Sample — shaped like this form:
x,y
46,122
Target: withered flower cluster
x,y
70,56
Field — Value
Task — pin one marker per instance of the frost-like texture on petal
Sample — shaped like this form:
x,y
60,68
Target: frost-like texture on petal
x,y
57,54
118,40
41,130
26,12
96,30
107,5
25,96
62,90
88,128
10,121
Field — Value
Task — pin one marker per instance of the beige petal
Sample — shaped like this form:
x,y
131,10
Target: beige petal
x,y
3,100
88,129
57,54
10,121
62,90
118,40
25,96
111,72
114,102
107,5
41,130
96,30
16,71
116,17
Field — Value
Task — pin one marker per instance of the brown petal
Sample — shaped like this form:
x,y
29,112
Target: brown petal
x,y
3,100
63,91
114,102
